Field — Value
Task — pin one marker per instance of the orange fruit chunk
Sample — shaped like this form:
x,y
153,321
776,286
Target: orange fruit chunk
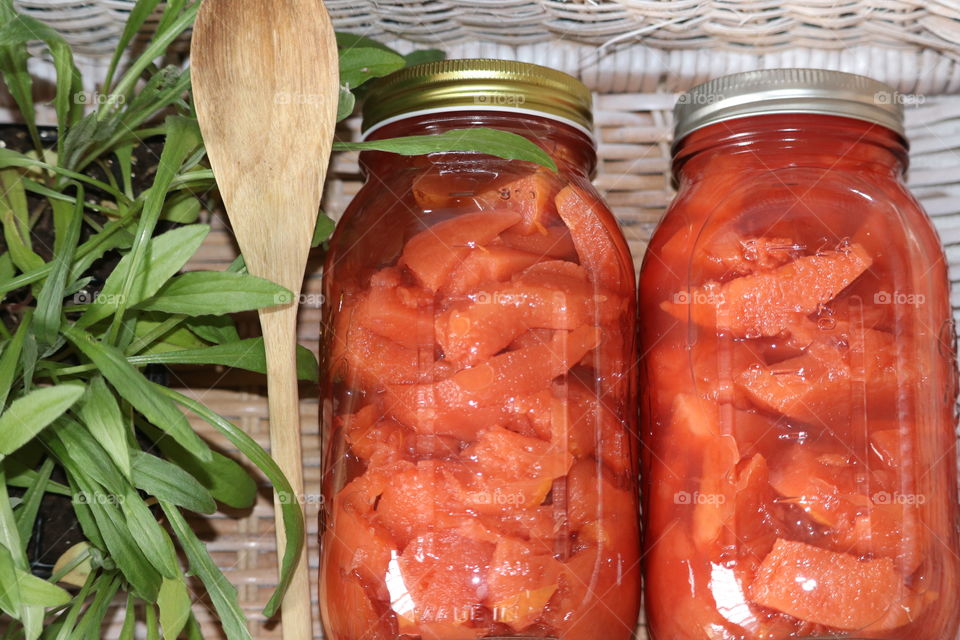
x,y
522,579
766,303
433,253
381,310
551,242
597,596
499,452
475,398
444,576
830,588
589,224
487,264
837,372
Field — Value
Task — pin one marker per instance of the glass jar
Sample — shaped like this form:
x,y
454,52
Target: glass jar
x,y
478,395
798,380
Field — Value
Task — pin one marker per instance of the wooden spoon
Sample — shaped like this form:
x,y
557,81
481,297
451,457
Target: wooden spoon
x,y
266,84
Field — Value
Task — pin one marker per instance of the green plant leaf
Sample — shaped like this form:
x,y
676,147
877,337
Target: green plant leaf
x,y
128,630
323,229
291,513
15,219
183,136
138,15
224,478
168,482
215,329
182,209
165,255
246,354
421,56
359,64
77,450
30,414
90,627
50,300
215,292
222,594
26,515
346,103
11,358
154,541
40,593
9,589
102,418
138,391
22,29
351,40
16,75
174,604
502,144
124,549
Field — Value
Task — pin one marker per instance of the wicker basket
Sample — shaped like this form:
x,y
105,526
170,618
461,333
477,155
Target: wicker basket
x,y
636,55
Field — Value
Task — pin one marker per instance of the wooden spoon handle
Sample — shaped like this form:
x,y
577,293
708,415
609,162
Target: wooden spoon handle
x,y
280,341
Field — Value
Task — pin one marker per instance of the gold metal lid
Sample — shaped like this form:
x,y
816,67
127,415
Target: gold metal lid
x,y
770,91
478,85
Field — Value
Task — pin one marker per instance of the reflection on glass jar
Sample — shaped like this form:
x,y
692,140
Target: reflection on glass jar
x,y
479,402
798,404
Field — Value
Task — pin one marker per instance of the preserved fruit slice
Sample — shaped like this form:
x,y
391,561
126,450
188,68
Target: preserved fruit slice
x,y
432,253
521,580
493,263
764,304
587,221
835,589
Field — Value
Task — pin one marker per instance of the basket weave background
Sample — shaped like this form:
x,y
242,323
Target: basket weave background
x,y
635,55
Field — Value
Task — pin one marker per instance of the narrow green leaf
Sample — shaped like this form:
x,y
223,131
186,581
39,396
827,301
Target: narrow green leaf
x,y
28,360
215,329
246,354
165,255
421,56
11,358
168,482
502,144
183,209
90,627
174,604
323,229
183,136
138,15
102,418
153,540
226,480
16,75
23,29
76,449
138,391
65,627
351,40
29,415
124,549
15,219
40,593
222,594
10,602
217,292
127,631
359,64
81,509
346,103
166,33
291,512
50,300
26,515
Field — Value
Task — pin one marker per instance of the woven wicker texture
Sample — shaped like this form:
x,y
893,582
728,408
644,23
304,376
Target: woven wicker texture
x,y
635,54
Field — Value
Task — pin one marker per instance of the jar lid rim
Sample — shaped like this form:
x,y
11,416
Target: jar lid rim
x,y
478,82
784,91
